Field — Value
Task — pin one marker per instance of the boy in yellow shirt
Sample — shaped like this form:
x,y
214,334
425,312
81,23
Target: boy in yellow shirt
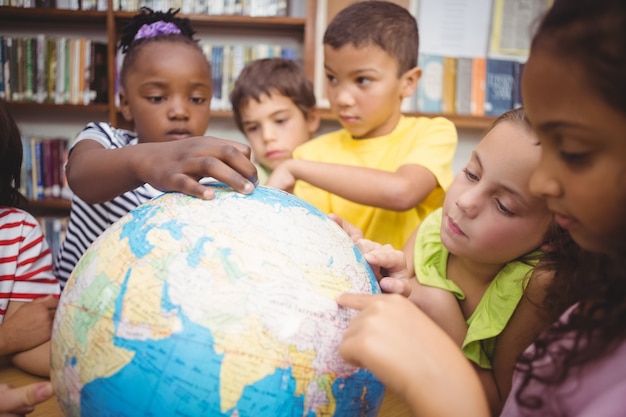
x,y
383,172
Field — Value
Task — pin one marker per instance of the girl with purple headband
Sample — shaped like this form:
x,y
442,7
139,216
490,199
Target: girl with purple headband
x,y
165,93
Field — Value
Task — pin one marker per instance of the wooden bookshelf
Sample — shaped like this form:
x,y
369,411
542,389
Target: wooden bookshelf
x,y
54,207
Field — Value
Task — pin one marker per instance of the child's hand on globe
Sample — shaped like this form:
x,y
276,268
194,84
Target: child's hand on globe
x,y
354,232
389,266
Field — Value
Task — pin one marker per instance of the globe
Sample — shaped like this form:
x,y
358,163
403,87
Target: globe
x,y
225,307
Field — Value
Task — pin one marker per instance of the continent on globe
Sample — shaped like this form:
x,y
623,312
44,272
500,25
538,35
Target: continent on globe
x,y
223,307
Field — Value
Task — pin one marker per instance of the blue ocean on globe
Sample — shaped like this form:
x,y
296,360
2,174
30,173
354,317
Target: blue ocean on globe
x,y
223,307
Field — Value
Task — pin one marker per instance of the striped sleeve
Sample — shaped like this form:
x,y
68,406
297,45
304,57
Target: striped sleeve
x,y
25,260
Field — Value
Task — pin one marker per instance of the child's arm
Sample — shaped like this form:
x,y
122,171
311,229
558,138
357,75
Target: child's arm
x,y
399,191
412,356
529,319
97,174
25,333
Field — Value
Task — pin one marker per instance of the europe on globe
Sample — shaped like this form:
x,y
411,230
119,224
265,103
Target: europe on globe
x,y
223,307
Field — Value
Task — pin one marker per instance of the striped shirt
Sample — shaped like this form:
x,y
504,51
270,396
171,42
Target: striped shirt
x,y
25,260
88,221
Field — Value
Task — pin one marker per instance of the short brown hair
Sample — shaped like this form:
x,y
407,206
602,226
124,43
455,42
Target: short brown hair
x,y
270,76
381,23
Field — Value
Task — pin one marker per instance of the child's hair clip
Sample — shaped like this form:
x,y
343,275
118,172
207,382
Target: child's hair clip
x,y
157,28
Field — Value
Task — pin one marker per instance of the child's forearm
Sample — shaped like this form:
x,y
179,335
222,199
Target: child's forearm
x,y
97,175
398,191
35,361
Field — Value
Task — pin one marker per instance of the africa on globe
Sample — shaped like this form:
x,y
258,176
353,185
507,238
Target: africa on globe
x,y
222,307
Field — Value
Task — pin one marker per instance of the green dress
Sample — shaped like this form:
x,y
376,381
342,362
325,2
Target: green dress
x,y
495,307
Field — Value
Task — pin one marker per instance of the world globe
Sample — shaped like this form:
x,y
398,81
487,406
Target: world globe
x,y
223,307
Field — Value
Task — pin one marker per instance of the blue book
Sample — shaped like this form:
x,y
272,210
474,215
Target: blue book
x,y
430,85
2,60
499,86
217,63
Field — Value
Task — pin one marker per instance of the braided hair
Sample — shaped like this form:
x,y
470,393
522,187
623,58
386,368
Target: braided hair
x,y
130,45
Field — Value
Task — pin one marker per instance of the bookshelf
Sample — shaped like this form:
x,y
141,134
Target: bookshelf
x,y
104,26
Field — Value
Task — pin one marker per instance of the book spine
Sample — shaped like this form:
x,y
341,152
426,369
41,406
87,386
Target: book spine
x,y
498,87
217,56
40,71
449,85
59,80
55,168
20,61
2,71
47,167
51,70
37,168
430,87
29,73
518,69
463,98
478,86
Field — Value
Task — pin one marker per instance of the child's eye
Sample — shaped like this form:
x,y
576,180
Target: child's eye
x,y
363,80
280,121
503,208
198,100
331,79
250,129
470,175
155,99
575,159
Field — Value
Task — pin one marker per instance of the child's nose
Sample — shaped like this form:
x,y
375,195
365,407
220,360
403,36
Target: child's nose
x,y
178,109
543,182
468,202
344,98
268,134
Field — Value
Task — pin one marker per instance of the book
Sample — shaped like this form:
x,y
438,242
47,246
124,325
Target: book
x,y
36,168
51,69
479,69
448,95
29,68
498,86
518,69
217,63
2,60
463,91
41,53
47,156
430,86
98,80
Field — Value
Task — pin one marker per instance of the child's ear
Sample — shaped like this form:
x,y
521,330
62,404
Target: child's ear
x,y
313,120
409,81
124,107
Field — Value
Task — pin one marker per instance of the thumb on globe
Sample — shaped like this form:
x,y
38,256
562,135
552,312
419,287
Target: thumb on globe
x,y
22,399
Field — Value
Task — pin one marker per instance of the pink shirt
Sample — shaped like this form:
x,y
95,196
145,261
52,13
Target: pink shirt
x,y
598,389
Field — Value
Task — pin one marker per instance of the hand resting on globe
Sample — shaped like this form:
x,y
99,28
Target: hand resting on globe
x,y
388,264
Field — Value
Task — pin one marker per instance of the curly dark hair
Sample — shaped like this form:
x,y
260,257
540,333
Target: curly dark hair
x,y
10,159
590,34
131,46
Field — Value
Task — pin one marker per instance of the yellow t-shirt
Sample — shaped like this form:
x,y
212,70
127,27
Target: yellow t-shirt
x,y
430,143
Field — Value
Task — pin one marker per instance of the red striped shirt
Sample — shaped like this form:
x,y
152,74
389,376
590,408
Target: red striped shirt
x,y
25,260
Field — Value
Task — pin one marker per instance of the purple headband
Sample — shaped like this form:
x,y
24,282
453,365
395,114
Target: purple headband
x,y
155,29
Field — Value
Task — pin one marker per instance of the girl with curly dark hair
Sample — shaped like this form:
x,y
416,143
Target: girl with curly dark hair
x,y
574,89
165,93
